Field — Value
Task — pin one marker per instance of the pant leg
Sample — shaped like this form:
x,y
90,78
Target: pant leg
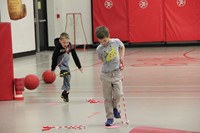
x,y
117,88
63,62
66,83
107,93
63,65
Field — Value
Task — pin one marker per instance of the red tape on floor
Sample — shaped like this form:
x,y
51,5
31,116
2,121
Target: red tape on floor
x,y
144,129
112,127
90,100
76,127
93,114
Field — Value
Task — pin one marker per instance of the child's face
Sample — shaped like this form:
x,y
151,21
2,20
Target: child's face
x,y
104,41
64,42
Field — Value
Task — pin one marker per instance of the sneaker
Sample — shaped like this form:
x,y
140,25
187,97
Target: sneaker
x,y
65,96
116,113
63,73
109,122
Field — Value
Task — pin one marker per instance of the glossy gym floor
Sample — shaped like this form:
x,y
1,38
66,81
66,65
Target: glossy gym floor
x,y
161,87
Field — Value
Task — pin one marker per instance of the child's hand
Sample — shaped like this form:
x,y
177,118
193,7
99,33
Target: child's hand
x,y
121,64
81,69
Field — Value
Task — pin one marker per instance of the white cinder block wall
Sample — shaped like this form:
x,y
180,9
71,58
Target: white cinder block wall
x,y
23,32
62,7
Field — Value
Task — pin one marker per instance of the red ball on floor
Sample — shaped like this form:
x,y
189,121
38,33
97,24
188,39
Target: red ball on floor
x,y
31,82
48,76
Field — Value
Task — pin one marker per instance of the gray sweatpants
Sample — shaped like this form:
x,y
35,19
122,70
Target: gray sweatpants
x,y
112,91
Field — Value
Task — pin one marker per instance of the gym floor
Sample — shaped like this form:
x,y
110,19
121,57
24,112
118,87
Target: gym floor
x,y
161,87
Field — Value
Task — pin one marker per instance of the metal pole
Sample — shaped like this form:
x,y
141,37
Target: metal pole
x,y
74,30
37,26
66,22
0,15
83,32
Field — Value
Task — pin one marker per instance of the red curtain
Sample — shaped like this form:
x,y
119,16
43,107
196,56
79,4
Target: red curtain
x,y
182,20
6,63
112,14
146,20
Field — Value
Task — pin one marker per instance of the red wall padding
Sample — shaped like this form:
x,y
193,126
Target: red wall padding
x,y
115,18
160,21
182,23
6,63
146,24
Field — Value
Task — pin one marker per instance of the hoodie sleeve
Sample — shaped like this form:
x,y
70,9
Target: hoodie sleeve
x,y
75,58
55,58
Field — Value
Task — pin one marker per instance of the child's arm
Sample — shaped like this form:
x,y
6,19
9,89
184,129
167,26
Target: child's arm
x,y
76,59
98,54
122,51
54,59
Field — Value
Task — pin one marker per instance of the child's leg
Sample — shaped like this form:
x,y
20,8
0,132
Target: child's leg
x,y
66,88
63,62
117,89
64,96
64,72
66,83
107,93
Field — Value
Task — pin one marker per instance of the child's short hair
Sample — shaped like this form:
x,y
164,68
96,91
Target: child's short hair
x,y
102,32
64,35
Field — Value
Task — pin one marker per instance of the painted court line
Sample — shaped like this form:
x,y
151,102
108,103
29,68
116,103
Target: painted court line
x,y
126,86
95,113
153,97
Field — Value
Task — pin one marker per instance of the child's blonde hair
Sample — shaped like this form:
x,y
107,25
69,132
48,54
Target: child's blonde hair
x,y
64,35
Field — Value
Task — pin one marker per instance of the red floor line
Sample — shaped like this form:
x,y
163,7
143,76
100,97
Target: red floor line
x,y
173,61
186,56
124,91
162,91
93,114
